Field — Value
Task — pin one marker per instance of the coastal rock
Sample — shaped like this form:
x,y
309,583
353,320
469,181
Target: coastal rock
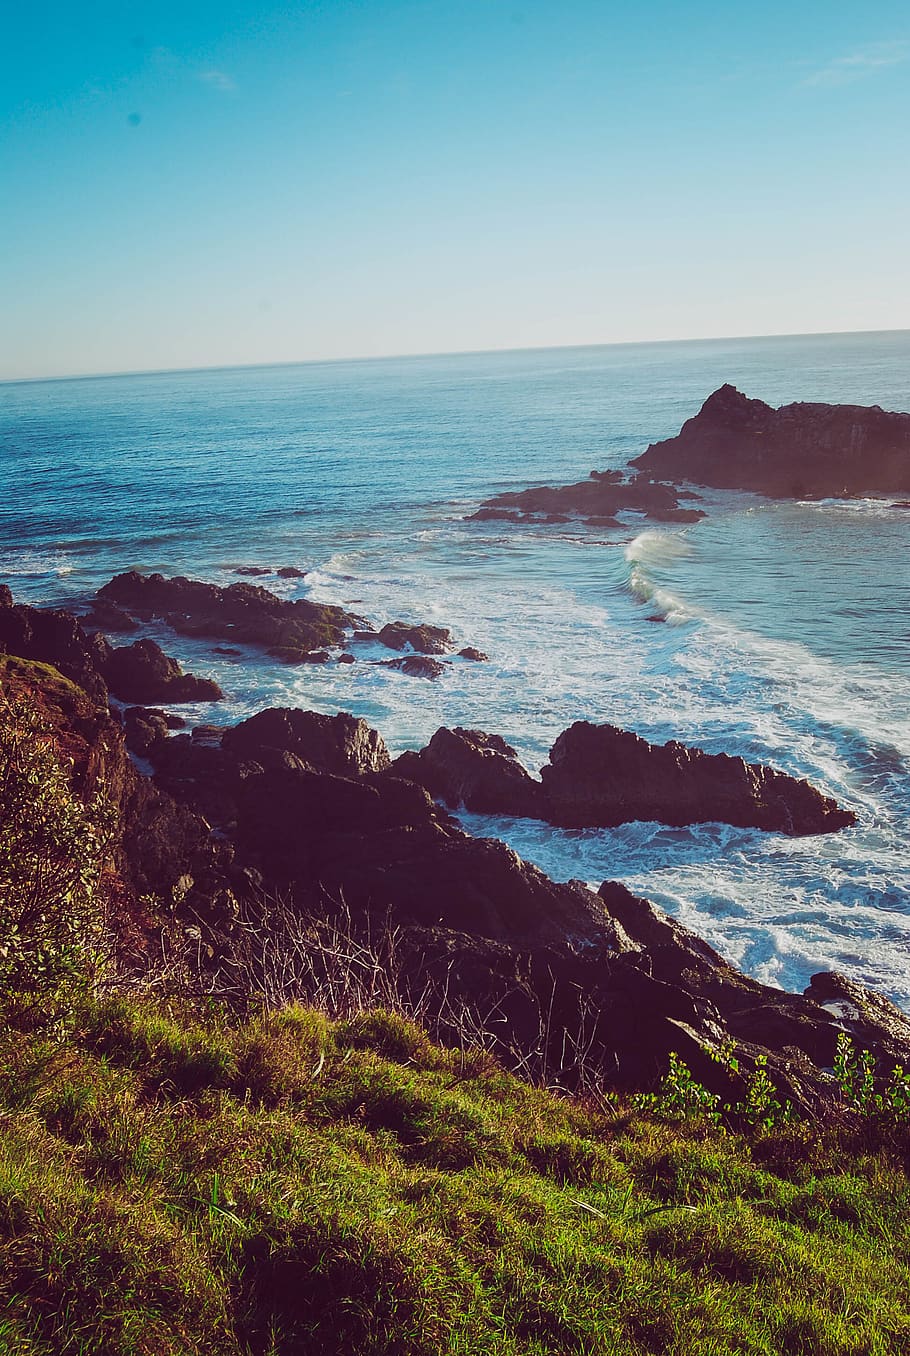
x,y
380,844
143,673
795,451
145,727
110,617
242,613
477,770
6,597
602,776
290,572
252,571
339,744
470,652
416,666
423,639
596,501
51,636
291,656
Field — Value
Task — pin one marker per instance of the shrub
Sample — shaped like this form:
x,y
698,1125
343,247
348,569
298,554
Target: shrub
x,y
52,854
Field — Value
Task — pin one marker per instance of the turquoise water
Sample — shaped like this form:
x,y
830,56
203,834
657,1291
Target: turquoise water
x,y
787,631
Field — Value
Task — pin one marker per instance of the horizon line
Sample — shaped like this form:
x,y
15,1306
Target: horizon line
x,y
435,353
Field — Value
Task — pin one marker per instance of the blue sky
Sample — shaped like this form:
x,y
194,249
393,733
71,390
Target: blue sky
x,y
202,184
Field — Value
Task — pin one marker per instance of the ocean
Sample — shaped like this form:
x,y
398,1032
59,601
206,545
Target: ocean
x,y
786,631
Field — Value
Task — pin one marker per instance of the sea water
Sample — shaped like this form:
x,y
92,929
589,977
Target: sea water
x,y
778,631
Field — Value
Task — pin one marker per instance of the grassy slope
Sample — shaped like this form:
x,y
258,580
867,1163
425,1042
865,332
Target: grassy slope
x,y
175,1185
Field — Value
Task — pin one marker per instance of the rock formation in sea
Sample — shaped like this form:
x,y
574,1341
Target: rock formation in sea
x,y
795,451
599,776
594,501
293,631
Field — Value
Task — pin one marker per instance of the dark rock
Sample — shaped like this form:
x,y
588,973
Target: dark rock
x,y
601,776
52,636
424,639
487,515
479,771
796,451
416,666
143,673
145,727
338,744
345,658
597,500
244,613
226,649
469,652
292,656
252,571
6,597
110,617
291,572
599,520
608,477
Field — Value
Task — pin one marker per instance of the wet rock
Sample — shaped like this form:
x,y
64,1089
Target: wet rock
x,y
252,571
416,666
423,639
477,770
596,500
291,572
339,744
795,451
469,652
143,673
241,613
345,658
6,597
288,655
601,776
110,617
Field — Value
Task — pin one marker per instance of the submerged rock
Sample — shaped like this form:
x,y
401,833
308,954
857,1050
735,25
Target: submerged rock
x,y
796,451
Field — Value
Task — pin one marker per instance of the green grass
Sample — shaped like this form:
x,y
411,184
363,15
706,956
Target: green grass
x,y
172,1182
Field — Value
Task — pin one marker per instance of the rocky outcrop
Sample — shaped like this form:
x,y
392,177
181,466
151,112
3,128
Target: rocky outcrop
x,y
340,744
796,451
416,666
595,501
477,770
143,673
51,636
244,613
600,776
422,639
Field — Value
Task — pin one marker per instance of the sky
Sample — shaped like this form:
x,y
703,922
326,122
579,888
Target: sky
x,y
205,184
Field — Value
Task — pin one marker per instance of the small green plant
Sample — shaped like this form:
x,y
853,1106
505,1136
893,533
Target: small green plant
x,y
854,1071
680,1096
761,1107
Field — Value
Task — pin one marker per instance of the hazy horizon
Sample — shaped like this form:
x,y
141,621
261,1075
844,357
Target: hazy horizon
x,y
453,353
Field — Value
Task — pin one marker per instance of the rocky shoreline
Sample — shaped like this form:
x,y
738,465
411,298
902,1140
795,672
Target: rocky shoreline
x,y
292,816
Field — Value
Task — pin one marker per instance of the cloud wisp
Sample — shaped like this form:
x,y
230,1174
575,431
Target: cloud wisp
x,y
845,70
218,80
